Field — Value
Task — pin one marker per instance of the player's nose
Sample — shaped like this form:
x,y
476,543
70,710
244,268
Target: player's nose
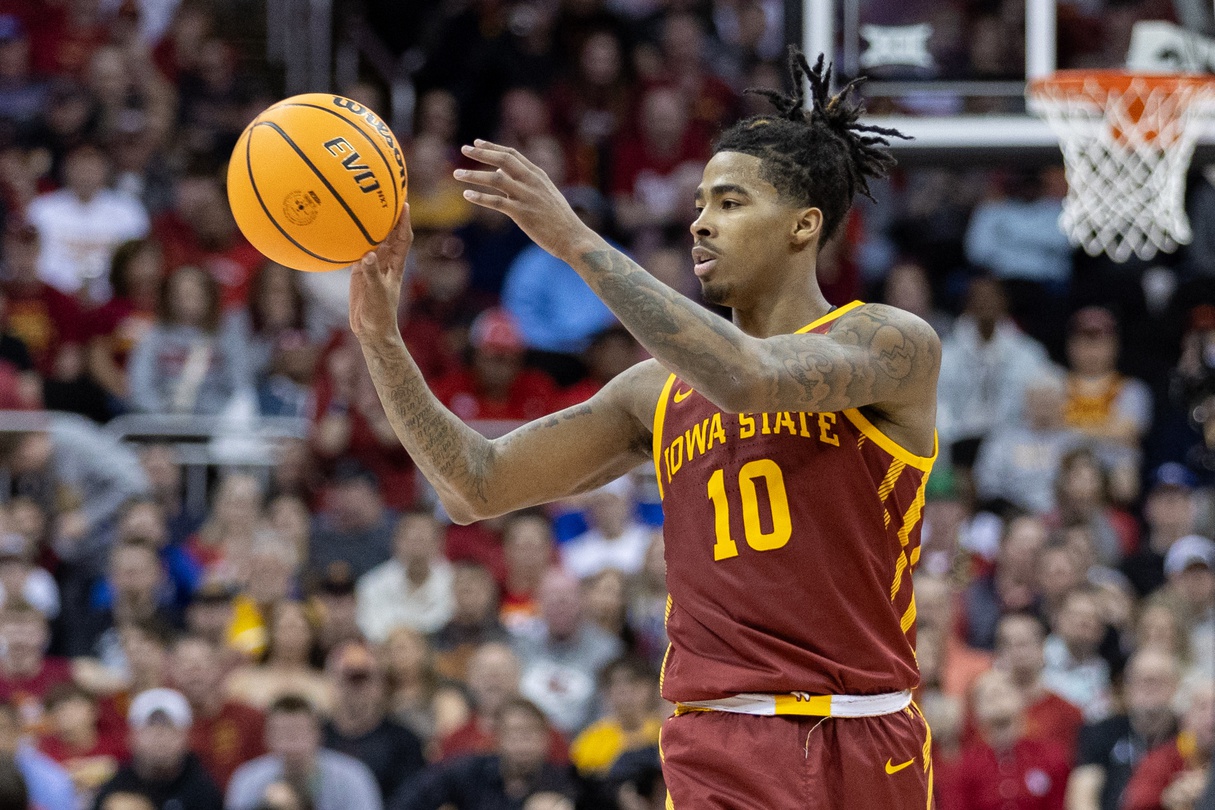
x,y
702,226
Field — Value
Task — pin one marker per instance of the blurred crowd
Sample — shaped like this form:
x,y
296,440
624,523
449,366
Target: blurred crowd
x,y
314,633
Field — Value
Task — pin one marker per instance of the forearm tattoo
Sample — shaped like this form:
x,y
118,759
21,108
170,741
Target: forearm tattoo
x,y
450,454
869,354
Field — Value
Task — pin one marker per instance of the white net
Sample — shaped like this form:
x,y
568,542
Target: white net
x,y
1127,141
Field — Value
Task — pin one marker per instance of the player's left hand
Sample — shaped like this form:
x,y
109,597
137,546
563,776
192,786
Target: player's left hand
x,y
523,191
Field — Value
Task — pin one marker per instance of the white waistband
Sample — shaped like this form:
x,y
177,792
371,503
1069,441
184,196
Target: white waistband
x,y
803,703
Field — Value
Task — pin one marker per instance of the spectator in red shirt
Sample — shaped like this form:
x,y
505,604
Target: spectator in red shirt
x,y
46,320
27,673
77,742
349,424
1172,776
1003,769
593,106
497,386
136,273
657,169
1019,640
200,231
225,734
684,54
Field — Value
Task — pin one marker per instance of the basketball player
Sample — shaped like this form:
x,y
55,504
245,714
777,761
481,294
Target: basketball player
x,y
792,448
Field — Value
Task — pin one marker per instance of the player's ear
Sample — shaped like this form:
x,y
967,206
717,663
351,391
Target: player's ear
x,y
806,227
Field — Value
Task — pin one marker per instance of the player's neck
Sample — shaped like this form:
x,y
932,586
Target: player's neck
x,y
782,310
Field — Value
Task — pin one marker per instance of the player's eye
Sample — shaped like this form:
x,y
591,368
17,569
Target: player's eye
x,y
727,204
699,208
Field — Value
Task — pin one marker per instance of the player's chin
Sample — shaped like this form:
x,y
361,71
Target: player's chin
x,y
716,293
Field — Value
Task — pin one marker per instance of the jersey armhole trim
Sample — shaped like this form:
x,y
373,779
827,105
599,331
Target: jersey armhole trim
x,y
888,444
830,316
660,414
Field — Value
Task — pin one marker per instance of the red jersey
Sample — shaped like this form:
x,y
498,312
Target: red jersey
x,y
1032,776
790,541
227,740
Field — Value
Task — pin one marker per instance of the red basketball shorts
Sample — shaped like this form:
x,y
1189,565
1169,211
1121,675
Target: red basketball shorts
x,y
716,760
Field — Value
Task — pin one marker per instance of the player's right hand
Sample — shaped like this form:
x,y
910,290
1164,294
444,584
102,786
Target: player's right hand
x,y
375,285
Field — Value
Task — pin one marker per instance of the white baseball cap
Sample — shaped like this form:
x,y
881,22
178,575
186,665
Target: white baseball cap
x,y
1190,550
167,702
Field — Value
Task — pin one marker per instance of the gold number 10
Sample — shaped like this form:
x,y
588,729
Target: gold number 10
x,y
778,501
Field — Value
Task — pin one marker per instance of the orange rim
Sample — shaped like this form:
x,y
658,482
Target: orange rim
x,y
1078,81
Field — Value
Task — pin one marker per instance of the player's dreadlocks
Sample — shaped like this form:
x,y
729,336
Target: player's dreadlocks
x,y
819,156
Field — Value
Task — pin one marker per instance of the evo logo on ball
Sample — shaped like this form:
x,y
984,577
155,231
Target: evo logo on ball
x,y
353,163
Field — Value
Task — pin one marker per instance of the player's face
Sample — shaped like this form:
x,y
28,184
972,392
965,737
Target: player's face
x,y
745,233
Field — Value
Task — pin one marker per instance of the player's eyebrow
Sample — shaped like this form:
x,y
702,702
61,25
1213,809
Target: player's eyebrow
x,y
722,188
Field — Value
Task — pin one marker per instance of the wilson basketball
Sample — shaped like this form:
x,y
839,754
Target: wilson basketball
x,y
316,181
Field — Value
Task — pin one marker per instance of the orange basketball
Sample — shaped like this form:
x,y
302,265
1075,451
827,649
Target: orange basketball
x,y
316,181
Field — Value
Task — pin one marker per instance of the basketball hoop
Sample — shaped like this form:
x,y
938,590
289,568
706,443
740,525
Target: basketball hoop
x,y
1127,140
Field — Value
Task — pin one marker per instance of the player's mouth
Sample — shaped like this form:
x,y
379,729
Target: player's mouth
x,y
704,260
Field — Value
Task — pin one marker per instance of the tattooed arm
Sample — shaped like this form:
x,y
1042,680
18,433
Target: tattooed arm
x,y
874,356
573,451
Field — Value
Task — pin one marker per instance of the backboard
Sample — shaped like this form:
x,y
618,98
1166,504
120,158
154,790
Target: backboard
x,y
953,74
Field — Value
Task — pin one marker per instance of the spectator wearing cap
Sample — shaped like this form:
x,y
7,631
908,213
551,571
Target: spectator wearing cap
x,y
1190,569
497,386
1174,774
1168,513
22,96
358,725
554,308
162,767
1109,750
293,738
614,537
517,769
82,224
356,528
49,786
414,587
225,734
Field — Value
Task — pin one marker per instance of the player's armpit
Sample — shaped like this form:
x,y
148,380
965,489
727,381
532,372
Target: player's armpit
x,y
874,355
575,450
